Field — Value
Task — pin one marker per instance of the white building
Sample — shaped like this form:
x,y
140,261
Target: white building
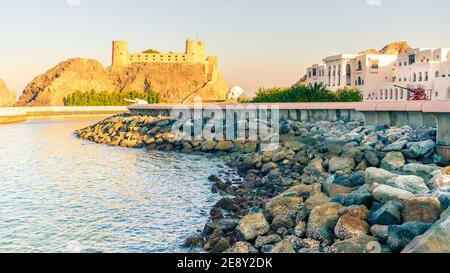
x,y
378,75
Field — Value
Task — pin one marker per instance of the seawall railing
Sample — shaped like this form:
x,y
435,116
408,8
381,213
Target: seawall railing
x,y
392,114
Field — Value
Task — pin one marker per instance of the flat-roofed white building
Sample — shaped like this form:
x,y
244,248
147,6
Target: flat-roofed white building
x,y
380,76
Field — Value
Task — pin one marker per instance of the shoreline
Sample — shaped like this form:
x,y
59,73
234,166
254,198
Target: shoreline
x,y
20,114
351,188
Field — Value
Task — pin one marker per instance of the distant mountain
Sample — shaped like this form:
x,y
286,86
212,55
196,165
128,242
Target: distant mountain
x,y
394,48
175,82
7,98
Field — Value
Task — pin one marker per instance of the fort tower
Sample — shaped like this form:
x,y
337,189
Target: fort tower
x,y
120,56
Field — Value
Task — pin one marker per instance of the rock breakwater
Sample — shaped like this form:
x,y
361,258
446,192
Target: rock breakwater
x,y
329,187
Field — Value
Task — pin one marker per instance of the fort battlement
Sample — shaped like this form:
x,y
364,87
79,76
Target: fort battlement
x,y
195,54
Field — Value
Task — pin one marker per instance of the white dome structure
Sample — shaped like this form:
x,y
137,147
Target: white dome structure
x,y
235,93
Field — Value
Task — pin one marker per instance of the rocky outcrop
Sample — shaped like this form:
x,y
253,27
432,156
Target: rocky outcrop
x,y
7,98
394,48
175,82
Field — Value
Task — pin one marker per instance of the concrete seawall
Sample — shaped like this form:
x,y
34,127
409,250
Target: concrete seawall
x,y
392,114
18,114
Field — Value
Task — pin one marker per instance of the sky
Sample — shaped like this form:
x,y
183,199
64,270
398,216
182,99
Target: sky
x,y
259,43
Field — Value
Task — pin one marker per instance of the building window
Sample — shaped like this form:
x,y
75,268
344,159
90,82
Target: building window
x,y
374,64
386,94
414,77
314,72
420,76
359,66
348,73
412,59
359,81
426,76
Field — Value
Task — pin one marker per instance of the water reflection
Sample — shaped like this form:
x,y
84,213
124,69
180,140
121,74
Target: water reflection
x,y
59,193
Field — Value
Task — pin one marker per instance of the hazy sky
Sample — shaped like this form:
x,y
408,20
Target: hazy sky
x,y
259,42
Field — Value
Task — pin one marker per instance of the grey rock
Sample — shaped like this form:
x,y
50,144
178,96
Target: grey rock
x,y
267,240
389,214
435,240
443,194
372,158
253,225
393,161
421,149
361,196
396,146
375,175
418,169
380,232
400,236
385,193
341,164
411,183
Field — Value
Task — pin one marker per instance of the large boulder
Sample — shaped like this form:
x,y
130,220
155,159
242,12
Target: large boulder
x,y
389,214
223,145
361,244
322,220
421,149
400,236
418,169
316,200
439,179
267,240
435,240
334,145
443,194
342,165
253,225
361,196
353,180
283,247
375,175
372,158
393,161
421,209
411,183
385,193
349,227
284,205
396,146
358,211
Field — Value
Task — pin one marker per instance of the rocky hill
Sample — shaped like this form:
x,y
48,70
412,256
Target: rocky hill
x,y
394,48
175,82
7,98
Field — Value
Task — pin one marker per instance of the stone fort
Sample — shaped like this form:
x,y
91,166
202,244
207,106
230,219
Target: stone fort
x,y
195,54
